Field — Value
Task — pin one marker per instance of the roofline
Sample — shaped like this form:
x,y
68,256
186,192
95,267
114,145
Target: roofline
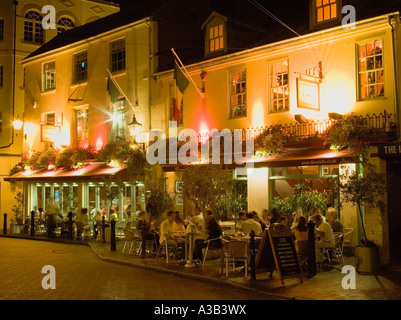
x,y
107,3
221,61
81,42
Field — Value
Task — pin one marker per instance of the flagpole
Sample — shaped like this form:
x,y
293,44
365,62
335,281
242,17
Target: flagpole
x,y
119,88
186,71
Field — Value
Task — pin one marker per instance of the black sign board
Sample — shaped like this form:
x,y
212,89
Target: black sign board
x,y
392,150
284,252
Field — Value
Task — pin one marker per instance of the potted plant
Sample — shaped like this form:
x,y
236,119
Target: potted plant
x,y
364,187
18,208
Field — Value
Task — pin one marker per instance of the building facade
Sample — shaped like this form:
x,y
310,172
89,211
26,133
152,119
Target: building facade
x,y
21,33
302,83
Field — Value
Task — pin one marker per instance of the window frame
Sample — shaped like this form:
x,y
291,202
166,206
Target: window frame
x,y
120,60
270,88
359,72
85,130
33,31
84,71
314,14
1,76
119,120
241,93
46,119
44,75
1,29
65,23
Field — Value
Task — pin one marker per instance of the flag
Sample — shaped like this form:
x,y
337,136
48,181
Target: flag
x,y
113,91
181,80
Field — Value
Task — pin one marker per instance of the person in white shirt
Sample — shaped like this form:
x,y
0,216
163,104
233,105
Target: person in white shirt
x,y
324,231
167,229
250,224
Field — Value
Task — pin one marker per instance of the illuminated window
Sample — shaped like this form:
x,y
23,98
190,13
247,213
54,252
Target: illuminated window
x,y
326,10
216,38
64,23
82,129
33,30
119,122
279,88
237,85
371,71
49,75
118,55
50,119
80,67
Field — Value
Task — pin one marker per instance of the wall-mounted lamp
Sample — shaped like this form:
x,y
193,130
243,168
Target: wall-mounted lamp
x,y
335,115
34,105
17,124
134,127
203,76
300,118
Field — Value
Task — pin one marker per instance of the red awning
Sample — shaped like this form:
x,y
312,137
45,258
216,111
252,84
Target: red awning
x,y
310,157
91,172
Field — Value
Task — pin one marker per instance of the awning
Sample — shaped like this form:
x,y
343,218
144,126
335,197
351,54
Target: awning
x,y
87,173
309,157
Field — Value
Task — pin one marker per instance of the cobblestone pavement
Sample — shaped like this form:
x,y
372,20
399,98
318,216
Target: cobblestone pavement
x,y
325,285
81,274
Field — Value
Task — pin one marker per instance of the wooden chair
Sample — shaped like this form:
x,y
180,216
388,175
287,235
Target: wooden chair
x,y
213,245
236,250
129,236
347,235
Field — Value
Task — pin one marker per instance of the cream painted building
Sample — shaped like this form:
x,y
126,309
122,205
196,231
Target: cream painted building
x,y
100,82
21,33
307,77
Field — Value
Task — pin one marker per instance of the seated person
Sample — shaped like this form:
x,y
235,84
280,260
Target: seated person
x,y
241,218
335,223
167,237
214,232
143,225
250,224
113,215
179,222
83,218
324,231
300,231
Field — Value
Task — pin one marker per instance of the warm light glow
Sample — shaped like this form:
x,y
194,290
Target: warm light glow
x,y
17,124
258,119
51,167
114,164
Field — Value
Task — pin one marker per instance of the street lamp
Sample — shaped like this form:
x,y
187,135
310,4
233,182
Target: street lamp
x,y
134,127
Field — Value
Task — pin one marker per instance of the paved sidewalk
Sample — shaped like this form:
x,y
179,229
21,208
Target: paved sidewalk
x,y
325,285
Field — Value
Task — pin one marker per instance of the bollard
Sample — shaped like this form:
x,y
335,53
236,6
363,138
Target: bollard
x,y
113,235
311,248
5,224
103,229
252,261
70,225
143,236
32,223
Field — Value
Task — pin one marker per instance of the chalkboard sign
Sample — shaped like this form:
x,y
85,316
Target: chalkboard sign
x,y
284,252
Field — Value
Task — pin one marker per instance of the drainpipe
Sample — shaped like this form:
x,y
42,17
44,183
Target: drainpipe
x,y
394,21
150,56
13,85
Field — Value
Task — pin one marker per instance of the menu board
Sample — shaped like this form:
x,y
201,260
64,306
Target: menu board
x,y
284,252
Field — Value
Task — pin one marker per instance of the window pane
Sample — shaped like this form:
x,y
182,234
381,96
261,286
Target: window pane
x,y
220,30
326,12
319,14
333,11
362,51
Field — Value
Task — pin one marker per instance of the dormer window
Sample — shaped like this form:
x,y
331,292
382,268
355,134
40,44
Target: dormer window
x,y
325,11
215,34
216,39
